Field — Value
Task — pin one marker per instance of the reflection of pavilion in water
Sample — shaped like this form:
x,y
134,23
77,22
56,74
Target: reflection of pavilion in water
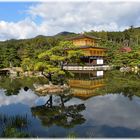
x,y
84,84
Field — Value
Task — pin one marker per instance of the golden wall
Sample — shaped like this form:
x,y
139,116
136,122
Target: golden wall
x,y
89,84
93,52
84,42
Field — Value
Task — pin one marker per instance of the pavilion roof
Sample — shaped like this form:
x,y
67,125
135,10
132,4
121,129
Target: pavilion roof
x,y
83,36
125,49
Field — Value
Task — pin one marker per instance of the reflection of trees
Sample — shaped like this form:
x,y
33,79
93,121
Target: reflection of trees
x,y
118,83
13,126
61,115
12,86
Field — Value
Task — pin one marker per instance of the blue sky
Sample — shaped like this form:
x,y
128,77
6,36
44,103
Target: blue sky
x,y
21,20
13,11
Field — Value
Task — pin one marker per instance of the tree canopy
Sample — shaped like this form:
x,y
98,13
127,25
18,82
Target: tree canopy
x,y
19,52
52,61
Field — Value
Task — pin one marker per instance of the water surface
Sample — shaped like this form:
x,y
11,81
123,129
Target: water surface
x,y
99,104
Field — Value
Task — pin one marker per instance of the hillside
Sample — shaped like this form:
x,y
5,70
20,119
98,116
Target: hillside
x,y
15,51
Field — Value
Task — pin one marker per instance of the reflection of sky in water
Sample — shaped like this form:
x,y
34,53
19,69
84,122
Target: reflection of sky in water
x,y
23,97
108,115
114,110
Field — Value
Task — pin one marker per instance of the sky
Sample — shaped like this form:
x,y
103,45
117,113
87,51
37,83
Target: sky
x,y
20,20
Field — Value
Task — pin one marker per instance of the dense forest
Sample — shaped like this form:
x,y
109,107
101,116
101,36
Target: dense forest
x,y
18,52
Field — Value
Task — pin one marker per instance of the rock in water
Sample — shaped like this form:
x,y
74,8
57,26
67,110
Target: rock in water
x,y
44,89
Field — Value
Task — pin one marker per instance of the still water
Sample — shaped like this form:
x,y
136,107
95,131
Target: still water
x,y
99,104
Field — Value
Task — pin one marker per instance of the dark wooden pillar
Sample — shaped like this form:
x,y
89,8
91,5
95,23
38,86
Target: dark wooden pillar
x,y
89,60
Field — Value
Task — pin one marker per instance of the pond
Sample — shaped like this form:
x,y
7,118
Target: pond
x,y
99,104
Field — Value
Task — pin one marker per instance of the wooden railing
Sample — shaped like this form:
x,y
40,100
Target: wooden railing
x,y
102,67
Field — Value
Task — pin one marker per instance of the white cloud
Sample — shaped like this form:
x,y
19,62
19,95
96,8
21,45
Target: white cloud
x,y
91,15
76,17
114,111
20,30
26,98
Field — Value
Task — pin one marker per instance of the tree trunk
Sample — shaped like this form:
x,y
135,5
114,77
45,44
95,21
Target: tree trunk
x,y
49,77
49,103
62,102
